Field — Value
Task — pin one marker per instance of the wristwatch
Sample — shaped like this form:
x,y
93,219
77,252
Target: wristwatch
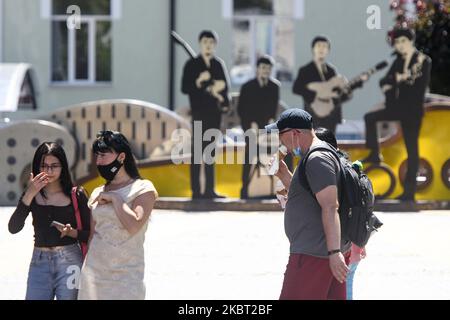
x,y
330,253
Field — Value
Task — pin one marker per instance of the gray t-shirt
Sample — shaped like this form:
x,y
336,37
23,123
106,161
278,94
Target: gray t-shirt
x,y
303,214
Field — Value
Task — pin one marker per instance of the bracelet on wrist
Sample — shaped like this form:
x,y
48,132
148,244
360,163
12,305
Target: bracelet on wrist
x,y
330,253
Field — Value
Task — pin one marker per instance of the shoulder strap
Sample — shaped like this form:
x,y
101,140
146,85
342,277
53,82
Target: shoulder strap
x,y
83,245
329,149
305,159
324,148
77,209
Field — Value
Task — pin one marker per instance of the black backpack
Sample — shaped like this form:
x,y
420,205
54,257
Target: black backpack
x,y
356,198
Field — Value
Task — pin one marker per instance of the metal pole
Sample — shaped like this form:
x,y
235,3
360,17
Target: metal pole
x,y
172,61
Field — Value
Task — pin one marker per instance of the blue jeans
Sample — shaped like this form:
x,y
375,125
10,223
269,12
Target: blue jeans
x,y
54,274
350,275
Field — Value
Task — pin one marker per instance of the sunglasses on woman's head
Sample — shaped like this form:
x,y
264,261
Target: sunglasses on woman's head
x,y
111,136
105,133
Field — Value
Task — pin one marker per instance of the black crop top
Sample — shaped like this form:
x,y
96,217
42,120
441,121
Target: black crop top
x,y
43,215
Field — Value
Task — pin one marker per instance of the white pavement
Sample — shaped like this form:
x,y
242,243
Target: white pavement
x,y
229,255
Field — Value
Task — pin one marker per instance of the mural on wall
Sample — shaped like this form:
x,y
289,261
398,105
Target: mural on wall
x,y
404,86
257,106
323,90
306,85
403,173
206,83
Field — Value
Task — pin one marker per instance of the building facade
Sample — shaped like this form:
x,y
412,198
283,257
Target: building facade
x,y
121,49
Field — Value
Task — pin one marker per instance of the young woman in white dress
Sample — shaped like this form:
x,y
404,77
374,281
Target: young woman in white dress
x,y
114,266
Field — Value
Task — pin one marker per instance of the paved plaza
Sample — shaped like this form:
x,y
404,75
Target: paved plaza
x,y
236,255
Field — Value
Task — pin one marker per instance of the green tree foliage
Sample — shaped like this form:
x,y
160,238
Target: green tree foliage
x,y
431,21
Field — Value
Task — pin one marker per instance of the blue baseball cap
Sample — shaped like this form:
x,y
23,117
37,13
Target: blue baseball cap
x,y
292,119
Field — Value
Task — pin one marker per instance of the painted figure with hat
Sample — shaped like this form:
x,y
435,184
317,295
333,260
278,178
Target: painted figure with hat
x,y
404,86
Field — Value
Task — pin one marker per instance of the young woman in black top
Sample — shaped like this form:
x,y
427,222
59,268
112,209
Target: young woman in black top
x,y
57,257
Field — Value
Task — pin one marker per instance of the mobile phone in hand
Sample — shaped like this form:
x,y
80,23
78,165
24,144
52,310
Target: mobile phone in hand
x,y
57,224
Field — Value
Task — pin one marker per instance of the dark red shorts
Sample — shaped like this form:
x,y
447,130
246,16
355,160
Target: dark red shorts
x,y
310,278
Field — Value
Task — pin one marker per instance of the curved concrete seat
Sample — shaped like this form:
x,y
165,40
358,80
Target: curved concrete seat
x,y
19,140
147,127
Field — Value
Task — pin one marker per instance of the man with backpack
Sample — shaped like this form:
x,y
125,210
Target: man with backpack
x,y
357,253
318,262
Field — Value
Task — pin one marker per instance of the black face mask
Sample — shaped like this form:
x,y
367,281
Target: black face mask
x,y
109,171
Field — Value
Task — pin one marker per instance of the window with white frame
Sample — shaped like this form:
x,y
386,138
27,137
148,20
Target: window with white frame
x,y
263,27
82,55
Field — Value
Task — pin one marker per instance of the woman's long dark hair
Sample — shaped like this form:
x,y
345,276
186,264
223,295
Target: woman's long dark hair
x,y
328,136
53,149
108,141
